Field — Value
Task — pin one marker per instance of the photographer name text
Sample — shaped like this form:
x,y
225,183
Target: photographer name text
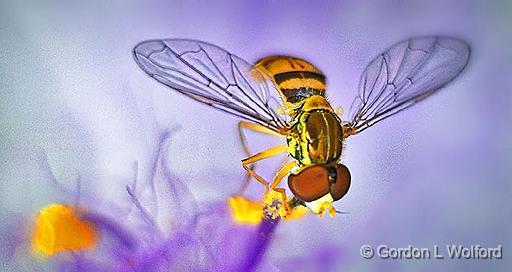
x,y
435,252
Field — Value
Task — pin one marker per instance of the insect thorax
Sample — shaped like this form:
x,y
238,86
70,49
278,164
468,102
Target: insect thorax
x,y
318,138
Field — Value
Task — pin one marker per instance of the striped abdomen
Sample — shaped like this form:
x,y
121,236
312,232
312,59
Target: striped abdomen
x,y
295,78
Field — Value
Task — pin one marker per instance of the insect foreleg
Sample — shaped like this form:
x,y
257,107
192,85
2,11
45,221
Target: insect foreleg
x,y
285,170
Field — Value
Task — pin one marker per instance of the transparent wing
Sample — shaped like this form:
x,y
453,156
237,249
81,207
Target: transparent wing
x,y
404,75
212,76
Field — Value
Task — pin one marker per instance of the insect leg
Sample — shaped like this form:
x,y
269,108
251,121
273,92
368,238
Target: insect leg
x,y
285,200
257,128
243,139
260,156
285,170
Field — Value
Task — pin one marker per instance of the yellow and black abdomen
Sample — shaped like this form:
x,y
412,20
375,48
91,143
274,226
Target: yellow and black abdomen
x,y
319,140
295,78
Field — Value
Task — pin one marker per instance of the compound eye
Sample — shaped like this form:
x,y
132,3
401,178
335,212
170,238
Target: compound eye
x,y
341,183
310,184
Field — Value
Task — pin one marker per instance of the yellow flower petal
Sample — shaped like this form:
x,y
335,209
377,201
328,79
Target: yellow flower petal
x,y
245,210
57,228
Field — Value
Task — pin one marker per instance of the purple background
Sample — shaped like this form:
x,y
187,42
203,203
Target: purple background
x,y
434,175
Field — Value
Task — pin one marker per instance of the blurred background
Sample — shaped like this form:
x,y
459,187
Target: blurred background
x,y
437,174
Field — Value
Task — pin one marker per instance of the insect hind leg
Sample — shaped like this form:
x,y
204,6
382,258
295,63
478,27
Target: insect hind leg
x,y
242,127
261,156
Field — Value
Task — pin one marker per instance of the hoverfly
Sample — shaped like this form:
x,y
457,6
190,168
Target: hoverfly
x,y
286,97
